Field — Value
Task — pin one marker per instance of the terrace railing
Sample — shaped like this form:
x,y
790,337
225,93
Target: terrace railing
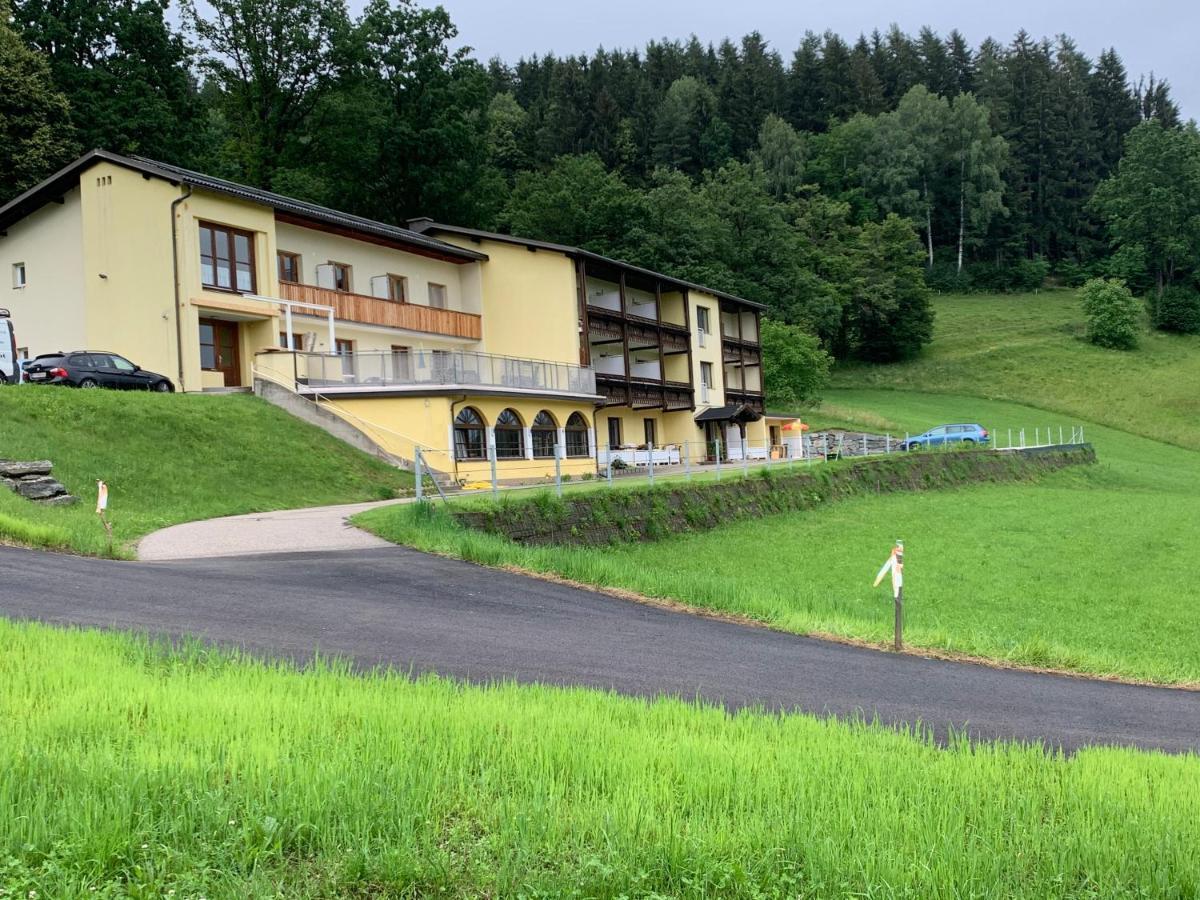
x,y
441,369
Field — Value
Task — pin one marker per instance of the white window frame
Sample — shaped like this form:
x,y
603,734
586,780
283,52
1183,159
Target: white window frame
x,y
445,304
20,276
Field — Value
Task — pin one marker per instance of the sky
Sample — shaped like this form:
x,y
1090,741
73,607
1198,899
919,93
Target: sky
x,y
1151,35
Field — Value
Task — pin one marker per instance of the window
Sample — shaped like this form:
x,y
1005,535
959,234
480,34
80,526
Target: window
x,y
469,436
650,434
121,364
401,363
226,258
345,349
544,434
18,276
398,288
341,276
510,436
702,323
437,295
614,432
208,346
297,340
289,267
706,380
577,435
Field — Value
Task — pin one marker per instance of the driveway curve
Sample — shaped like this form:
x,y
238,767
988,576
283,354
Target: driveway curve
x,y
417,612
315,528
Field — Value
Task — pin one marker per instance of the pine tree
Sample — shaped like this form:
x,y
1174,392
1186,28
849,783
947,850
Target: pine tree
x,y
1115,109
868,92
805,93
962,62
939,71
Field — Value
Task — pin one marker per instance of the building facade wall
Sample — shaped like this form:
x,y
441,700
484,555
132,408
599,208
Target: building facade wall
x,y
399,424
530,301
368,261
50,312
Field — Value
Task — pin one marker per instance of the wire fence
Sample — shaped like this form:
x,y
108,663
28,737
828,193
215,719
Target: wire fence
x,y
512,464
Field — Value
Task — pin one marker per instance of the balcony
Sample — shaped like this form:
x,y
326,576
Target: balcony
x,y
645,393
349,307
433,371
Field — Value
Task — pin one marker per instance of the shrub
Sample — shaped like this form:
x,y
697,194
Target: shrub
x,y
944,278
1178,310
1113,314
1029,274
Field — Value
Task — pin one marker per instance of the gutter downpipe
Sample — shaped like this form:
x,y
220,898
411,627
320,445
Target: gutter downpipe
x,y
175,270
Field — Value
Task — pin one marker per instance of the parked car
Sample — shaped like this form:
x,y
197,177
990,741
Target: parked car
x,y
91,369
947,434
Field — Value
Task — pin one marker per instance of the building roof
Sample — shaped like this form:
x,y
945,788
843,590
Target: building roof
x,y
735,412
66,178
426,225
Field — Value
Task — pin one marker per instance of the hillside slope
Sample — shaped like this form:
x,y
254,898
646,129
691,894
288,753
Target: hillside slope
x,y
170,459
1029,349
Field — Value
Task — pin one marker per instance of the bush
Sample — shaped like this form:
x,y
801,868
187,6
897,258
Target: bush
x,y
1178,310
1029,274
1113,313
944,278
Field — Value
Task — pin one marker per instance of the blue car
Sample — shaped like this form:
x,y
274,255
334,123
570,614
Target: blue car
x,y
947,434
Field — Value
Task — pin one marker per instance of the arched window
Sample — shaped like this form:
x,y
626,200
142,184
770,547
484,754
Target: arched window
x,y
470,441
577,435
545,435
510,436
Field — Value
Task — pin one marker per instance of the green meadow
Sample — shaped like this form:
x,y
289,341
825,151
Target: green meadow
x,y
133,770
1029,349
1086,570
168,459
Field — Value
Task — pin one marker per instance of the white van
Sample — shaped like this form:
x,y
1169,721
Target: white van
x,y
10,367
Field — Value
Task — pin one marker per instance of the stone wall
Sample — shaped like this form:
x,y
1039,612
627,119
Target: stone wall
x,y
32,480
602,517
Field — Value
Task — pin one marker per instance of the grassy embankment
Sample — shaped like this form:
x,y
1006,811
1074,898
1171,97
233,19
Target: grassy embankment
x,y
170,459
133,772
1029,349
1086,570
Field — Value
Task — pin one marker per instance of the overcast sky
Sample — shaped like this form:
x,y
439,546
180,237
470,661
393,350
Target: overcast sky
x,y
1150,35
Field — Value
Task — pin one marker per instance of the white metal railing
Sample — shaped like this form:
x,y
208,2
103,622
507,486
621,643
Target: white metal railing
x,y
441,369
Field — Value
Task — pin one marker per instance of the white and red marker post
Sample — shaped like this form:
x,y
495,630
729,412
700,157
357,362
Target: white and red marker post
x,y
895,565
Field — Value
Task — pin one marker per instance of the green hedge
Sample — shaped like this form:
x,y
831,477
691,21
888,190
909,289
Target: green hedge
x,y
605,517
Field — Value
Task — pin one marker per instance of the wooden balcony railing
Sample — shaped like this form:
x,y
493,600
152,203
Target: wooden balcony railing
x,y
388,313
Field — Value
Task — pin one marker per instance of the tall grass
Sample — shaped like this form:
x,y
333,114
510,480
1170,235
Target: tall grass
x,y
170,459
134,771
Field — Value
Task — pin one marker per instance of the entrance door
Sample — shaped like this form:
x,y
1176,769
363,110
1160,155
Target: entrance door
x,y
712,434
219,350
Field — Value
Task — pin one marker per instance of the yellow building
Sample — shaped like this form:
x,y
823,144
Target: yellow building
x,y
481,349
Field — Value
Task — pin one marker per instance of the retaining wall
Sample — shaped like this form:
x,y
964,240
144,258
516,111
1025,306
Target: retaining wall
x,y
602,517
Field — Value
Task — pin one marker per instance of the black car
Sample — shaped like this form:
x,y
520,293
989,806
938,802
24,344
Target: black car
x,y
90,369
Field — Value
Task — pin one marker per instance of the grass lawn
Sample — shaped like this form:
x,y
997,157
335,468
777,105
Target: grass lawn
x,y
169,459
132,771
1029,348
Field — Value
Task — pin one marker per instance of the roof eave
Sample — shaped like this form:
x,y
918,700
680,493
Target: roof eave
x,y
425,225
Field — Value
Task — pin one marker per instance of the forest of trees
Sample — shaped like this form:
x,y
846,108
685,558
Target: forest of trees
x,y
837,183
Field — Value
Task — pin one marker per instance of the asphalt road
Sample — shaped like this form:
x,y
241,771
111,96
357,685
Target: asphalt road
x,y
402,608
